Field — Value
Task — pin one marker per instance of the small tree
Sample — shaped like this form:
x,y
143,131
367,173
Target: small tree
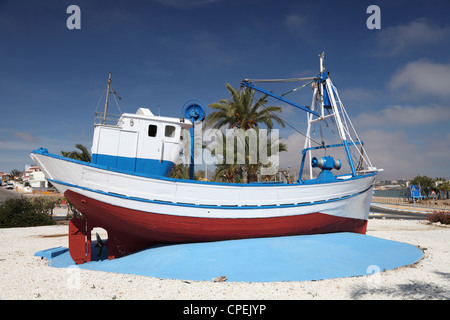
x,y
426,184
23,212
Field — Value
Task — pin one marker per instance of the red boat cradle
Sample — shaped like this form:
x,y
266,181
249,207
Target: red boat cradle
x,y
79,240
130,231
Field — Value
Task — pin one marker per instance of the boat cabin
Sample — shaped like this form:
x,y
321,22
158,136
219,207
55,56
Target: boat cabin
x,y
140,142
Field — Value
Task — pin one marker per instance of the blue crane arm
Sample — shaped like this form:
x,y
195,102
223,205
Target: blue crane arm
x,y
249,85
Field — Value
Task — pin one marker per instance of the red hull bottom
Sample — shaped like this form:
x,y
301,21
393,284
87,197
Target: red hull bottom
x,y
130,230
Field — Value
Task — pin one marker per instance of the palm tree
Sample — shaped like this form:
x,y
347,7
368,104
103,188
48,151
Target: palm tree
x,y
253,169
179,171
85,155
226,173
16,174
247,171
443,187
240,112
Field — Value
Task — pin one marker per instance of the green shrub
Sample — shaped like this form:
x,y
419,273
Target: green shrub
x,y
25,212
440,216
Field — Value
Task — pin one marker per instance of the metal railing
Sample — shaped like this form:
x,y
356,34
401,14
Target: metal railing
x,y
110,119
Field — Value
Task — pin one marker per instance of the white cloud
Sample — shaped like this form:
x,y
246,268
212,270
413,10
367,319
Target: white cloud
x,y
405,154
394,152
422,78
292,157
357,94
16,146
294,21
202,49
298,24
402,153
24,136
416,34
403,116
154,69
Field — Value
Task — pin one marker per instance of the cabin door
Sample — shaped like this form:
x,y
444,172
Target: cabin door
x,y
127,150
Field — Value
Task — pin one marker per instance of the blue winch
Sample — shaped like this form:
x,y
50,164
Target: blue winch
x,y
327,164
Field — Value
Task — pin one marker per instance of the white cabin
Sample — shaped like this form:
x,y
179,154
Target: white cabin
x,y
140,142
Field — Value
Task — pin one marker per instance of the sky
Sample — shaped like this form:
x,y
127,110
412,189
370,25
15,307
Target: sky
x,y
394,81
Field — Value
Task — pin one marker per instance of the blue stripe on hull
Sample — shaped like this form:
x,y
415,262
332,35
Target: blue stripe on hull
x,y
147,166
203,206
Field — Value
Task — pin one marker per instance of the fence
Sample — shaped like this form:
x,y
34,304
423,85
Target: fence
x,y
438,204
390,200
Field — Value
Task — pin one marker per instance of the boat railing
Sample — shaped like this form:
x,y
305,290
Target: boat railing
x,y
110,119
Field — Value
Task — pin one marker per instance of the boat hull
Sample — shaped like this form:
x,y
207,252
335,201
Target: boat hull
x,y
139,211
139,229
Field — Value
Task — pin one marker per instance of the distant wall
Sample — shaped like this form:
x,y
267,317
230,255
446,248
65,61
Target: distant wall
x,y
44,191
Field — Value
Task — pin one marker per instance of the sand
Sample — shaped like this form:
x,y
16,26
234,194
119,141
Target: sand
x,y
24,276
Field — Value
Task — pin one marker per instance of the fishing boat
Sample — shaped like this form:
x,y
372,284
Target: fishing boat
x,y
126,188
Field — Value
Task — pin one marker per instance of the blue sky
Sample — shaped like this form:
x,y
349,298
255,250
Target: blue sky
x,y
394,82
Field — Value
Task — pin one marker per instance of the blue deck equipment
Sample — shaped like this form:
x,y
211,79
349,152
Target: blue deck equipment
x,y
193,110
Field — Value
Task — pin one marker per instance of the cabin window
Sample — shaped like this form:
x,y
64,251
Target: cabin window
x,y
170,131
152,129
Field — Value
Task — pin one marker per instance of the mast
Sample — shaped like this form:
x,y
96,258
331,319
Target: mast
x,y
339,124
107,96
322,57
317,96
308,130
325,98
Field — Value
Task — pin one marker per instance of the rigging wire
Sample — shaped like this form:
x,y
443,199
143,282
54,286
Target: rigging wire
x,y
101,97
114,95
362,151
298,88
286,122
281,80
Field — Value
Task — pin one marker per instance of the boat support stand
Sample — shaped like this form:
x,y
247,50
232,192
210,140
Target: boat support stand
x,y
80,243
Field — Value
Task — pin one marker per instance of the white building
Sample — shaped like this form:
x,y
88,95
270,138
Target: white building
x,y
35,178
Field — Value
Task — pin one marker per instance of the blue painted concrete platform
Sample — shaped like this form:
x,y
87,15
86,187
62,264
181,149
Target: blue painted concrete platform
x,y
293,258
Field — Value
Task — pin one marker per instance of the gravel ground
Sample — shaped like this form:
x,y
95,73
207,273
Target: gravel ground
x,y
24,276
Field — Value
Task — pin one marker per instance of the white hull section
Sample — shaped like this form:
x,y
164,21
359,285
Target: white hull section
x,y
343,198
